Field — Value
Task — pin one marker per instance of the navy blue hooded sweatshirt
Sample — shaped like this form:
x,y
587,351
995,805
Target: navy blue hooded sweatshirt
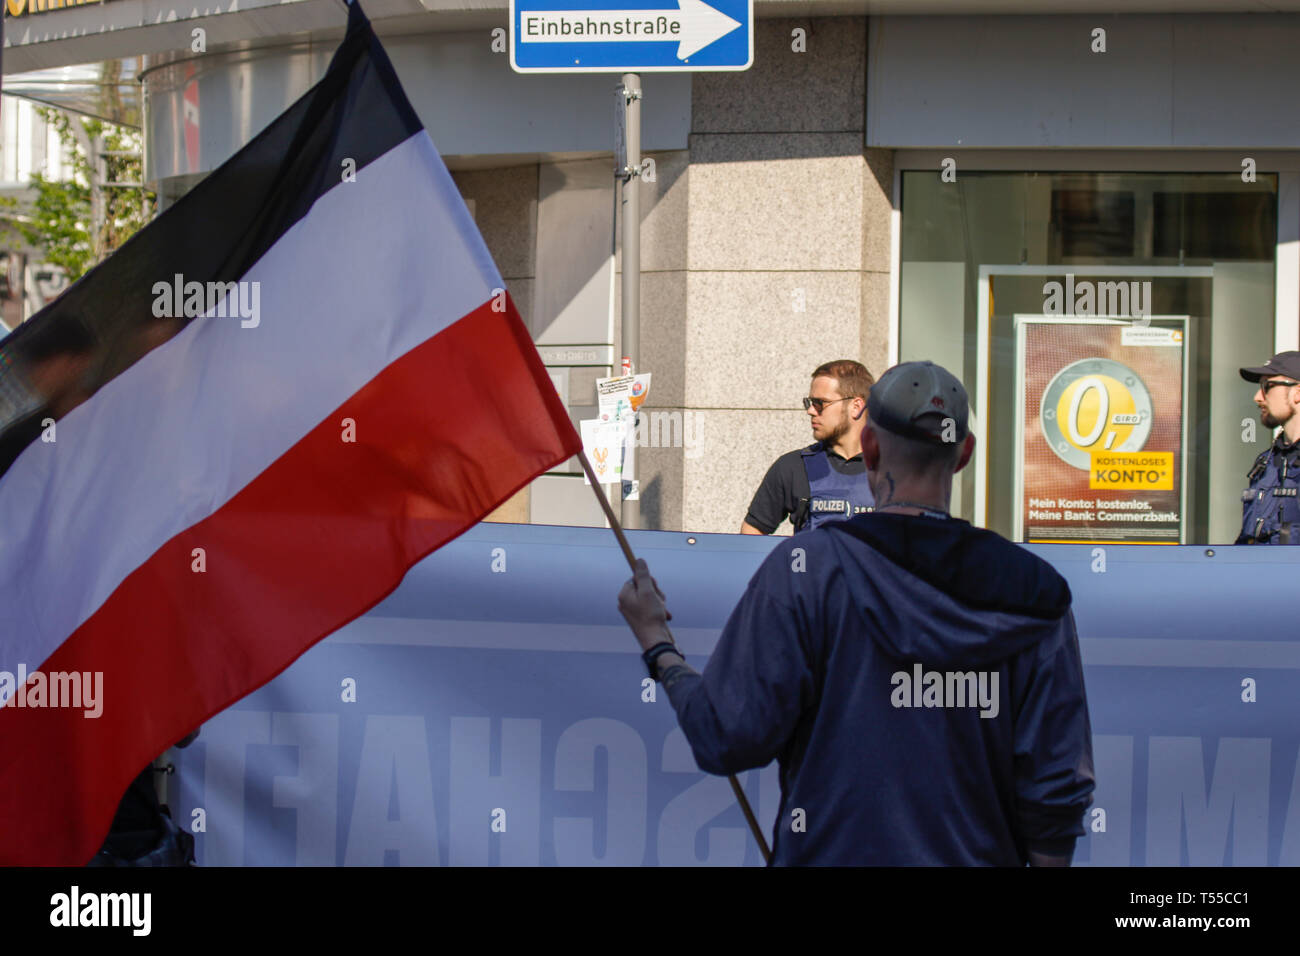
x,y
857,657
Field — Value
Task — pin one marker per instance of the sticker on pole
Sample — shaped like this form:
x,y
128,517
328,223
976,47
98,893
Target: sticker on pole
x,y
618,36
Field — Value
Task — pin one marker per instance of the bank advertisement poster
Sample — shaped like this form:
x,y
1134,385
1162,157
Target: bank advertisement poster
x,y
1100,414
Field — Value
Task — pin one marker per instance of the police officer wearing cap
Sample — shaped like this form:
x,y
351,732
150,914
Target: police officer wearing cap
x,y
1270,506
824,481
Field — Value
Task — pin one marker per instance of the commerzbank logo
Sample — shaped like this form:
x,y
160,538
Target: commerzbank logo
x,y
1095,405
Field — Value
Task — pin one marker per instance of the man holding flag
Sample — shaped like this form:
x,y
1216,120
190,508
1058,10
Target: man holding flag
x,y
918,679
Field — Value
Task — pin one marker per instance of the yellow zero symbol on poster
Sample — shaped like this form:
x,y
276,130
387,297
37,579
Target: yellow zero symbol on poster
x,y
1097,408
1094,405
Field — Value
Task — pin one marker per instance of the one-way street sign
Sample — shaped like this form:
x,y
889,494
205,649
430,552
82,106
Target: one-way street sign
x,y
630,36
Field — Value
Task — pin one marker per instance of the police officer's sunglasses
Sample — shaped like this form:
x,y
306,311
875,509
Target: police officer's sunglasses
x,y
1263,386
820,403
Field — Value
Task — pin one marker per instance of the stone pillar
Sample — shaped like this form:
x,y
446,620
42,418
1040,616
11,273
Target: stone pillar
x,y
787,252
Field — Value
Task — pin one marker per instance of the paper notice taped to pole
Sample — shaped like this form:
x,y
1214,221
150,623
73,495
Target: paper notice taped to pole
x,y
621,397
603,443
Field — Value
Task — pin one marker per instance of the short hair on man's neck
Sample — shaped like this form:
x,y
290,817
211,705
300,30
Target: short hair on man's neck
x,y
914,456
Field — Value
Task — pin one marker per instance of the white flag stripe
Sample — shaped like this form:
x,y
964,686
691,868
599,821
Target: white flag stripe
x,y
176,436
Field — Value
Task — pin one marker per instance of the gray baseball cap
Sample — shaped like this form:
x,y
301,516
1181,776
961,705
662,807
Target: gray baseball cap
x,y
1283,363
917,399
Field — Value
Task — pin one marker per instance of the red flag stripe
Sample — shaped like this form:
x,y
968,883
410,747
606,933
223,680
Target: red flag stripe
x,y
331,526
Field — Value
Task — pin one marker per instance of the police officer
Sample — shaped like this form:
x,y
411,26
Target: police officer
x,y
1270,507
826,481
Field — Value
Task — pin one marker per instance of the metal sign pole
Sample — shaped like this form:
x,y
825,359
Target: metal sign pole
x,y
631,509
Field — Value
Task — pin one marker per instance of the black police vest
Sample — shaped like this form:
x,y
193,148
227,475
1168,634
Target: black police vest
x,y
1270,512
833,496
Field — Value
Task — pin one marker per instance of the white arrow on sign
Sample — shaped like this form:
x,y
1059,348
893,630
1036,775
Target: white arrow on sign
x,y
693,26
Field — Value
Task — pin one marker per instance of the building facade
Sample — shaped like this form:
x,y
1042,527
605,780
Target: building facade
x,y
877,186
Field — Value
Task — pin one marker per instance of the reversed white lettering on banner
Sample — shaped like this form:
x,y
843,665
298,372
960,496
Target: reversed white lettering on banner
x,y
591,791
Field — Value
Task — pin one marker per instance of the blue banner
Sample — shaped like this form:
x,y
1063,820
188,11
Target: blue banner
x,y
494,711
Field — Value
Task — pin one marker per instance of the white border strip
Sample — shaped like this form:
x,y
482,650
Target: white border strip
x,y
982,332
895,266
1286,311
374,630
510,635
1022,320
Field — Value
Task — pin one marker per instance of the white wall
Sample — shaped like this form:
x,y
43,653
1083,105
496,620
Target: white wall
x,y
27,145
1164,81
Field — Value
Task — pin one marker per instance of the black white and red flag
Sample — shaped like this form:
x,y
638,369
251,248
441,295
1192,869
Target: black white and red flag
x,y
237,433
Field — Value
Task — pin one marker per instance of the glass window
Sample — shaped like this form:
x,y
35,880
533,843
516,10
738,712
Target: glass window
x,y
1098,321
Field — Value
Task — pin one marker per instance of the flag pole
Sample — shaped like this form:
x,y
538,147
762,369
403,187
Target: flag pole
x,y
631,563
